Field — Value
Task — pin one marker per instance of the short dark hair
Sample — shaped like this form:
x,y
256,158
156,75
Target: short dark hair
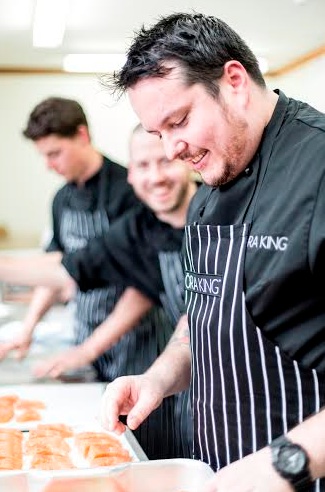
x,y
200,44
55,115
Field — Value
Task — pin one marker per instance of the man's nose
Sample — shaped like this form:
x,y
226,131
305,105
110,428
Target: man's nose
x,y
173,147
50,163
156,173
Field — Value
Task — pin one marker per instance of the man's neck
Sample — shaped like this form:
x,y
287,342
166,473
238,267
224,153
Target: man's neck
x,y
94,163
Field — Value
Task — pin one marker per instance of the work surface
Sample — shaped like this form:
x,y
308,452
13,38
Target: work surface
x,y
52,335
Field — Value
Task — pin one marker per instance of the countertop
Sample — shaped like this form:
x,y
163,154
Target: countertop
x,y
53,335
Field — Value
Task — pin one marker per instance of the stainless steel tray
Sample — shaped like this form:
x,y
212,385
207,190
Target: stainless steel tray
x,y
174,475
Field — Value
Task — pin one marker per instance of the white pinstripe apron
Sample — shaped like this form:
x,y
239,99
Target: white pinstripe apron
x,y
245,390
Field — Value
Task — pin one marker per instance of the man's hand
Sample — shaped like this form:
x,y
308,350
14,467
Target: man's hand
x,y
20,344
134,396
66,361
254,473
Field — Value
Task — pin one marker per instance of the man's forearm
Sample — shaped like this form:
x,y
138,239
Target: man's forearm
x,y
172,369
43,298
311,436
127,313
43,269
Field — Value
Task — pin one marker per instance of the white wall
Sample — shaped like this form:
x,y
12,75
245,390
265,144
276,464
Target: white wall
x,y
27,188
305,83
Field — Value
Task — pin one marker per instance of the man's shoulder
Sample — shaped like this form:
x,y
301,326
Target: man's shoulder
x,y
307,115
62,194
115,169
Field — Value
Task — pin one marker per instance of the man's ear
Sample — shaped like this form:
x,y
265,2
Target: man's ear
x,y
83,133
235,73
235,83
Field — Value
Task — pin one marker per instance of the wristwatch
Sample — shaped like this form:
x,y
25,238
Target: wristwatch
x,y
291,462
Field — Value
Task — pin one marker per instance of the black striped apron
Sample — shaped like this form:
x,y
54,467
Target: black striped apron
x,y
160,435
245,390
172,299
79,224
93,306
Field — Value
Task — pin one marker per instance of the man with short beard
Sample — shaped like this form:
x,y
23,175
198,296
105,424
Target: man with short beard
x,y
252,345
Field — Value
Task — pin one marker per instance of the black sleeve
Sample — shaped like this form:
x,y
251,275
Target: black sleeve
x,y
317,235
122,256
120,196
55,242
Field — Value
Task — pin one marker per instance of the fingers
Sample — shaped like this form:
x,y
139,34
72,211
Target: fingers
x,y
51,369
21,353
131,396
20,346
5,348
110,411
138,414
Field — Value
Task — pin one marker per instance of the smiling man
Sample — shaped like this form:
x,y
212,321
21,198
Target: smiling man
x,y
142,249
254,348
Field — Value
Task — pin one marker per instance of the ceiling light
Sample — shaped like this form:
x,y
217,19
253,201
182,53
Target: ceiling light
x,y
93,63
49,23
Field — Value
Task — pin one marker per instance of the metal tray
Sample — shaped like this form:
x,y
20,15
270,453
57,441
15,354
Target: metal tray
x,y
174,475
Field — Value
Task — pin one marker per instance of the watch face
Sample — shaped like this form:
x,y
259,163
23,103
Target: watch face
x,y
291,459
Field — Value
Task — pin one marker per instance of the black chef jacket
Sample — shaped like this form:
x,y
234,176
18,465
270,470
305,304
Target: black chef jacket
x,y
118,198
285,257
128,253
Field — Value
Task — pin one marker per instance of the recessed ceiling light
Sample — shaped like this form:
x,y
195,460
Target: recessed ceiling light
x,y
100,63
49,23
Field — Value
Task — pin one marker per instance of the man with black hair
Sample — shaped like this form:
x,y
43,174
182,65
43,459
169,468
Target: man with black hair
x,y
95,195
253,345
142,250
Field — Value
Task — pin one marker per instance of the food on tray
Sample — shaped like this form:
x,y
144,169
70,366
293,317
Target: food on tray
x,y
101,449
28,415
84,440
11,399
51,462
13,408
49,451
11,454
29,404
35,444
62,429
6,413
56,447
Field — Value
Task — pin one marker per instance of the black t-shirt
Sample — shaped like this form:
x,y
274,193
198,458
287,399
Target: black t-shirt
x,y
108,190
282,195
128,253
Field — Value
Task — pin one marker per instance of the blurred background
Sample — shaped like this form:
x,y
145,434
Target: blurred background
x,y
287,35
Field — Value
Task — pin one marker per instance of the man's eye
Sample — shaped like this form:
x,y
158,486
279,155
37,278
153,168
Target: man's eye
x,y
179,123
142,165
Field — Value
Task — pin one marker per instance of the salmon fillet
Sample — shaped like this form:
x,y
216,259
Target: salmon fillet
x,y
51,462
63,429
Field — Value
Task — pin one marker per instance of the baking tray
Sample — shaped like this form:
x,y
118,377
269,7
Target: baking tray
x,y
32,480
